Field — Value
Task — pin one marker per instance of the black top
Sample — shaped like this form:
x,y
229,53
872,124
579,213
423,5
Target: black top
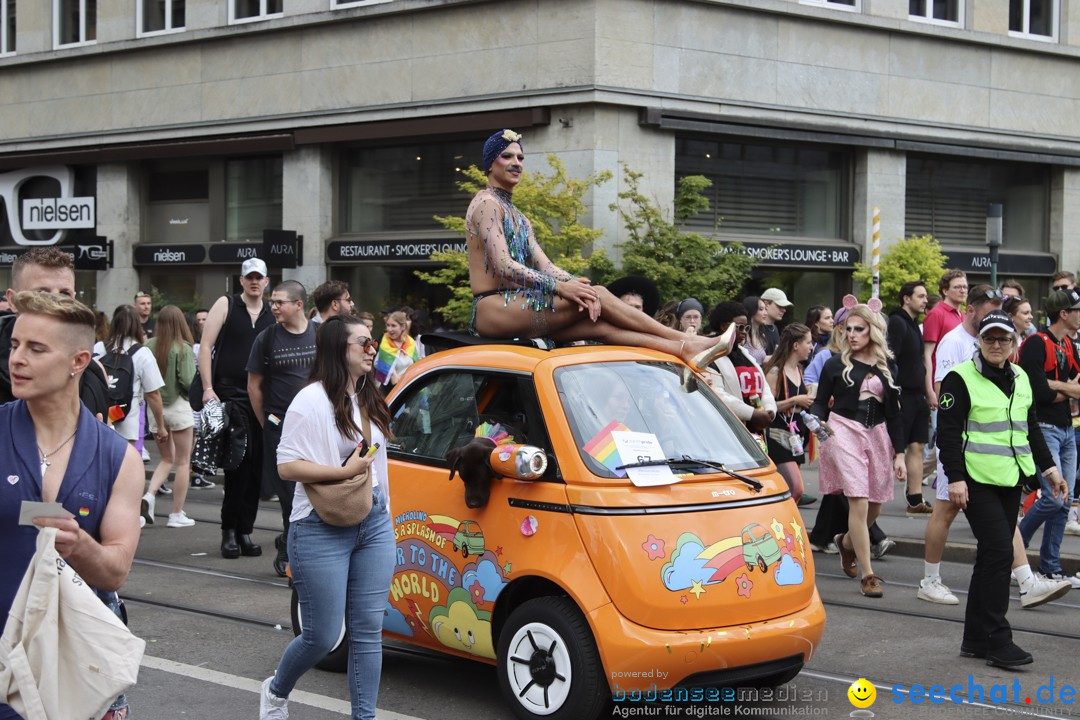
x,y
284,360
1033,359
771,333
845,397
952,419
906,342
233,347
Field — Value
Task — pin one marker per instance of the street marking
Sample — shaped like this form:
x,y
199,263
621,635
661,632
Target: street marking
x,y
197,672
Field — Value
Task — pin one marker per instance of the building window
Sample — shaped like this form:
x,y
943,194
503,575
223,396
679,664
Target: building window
x,y
404,187
837,4
251,10
7,27
253,189
159,16
769,189
939,11
1034,18
947,198
336,4
74,22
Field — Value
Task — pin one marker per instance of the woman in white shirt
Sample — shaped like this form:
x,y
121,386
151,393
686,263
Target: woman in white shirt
x,y
124,331
334,568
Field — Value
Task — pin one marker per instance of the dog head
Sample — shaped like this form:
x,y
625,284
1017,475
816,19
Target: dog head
x,y
471,462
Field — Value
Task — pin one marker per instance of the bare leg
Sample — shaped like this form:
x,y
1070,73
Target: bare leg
x,y
937,530
618,324
793,476
913,459
1020,558
858,533
181,441
161,472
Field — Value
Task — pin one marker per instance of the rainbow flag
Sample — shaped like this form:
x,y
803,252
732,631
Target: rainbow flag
x,y
388,354
602,447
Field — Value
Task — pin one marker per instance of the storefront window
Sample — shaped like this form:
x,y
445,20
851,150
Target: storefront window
x,y
253,188
769,189
404,187
948,197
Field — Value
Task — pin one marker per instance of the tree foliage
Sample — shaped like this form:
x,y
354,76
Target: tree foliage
x,y
682,264
918,257
553,203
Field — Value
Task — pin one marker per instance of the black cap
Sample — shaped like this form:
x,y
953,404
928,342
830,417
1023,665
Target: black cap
x,y
996,319
638,285
1059,300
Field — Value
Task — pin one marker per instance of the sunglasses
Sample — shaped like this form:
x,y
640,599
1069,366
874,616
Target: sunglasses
x,y
1061,287
364,343
989,295
742,327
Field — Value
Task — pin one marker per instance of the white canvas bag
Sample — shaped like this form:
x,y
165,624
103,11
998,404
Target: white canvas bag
x,y
64,655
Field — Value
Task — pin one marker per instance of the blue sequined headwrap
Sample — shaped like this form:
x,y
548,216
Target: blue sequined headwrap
x,y
499,141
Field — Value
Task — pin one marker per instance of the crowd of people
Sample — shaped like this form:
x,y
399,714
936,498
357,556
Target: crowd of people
x,y
977,391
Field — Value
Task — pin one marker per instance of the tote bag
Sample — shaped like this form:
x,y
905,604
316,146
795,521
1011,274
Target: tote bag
x,y
63,654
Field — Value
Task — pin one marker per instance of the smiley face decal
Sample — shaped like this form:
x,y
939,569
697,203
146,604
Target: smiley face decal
x,y
861,693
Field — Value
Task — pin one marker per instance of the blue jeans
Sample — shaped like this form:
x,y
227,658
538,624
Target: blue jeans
x,y
1048,509
340,573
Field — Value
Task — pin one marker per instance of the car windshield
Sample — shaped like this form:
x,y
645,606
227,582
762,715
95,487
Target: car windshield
x,y
646,397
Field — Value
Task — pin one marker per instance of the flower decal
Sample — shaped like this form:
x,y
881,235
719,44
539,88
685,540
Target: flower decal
x,y
511,136
744,584
476,590
654,547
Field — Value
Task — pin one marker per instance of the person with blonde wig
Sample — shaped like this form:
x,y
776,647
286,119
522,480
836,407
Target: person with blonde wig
x,y
858,392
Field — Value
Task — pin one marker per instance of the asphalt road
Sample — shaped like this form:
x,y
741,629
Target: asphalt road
x,y
216,628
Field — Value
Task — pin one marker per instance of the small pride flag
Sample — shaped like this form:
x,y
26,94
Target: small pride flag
x,y
602,447
84,511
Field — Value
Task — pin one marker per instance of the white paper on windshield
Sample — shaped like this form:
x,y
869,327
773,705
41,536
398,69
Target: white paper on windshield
x,y
636,447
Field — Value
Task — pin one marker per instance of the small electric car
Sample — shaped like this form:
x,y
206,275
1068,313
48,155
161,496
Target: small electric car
x,y
659,548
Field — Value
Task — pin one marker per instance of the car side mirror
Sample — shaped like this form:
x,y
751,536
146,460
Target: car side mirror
x,y
524,462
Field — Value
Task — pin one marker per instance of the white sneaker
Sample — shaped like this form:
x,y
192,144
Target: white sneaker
x,y
271,707
1073,580
145,456
146,508
931,589
1041,591
1072,528
142,522
179,519
829,549
879,549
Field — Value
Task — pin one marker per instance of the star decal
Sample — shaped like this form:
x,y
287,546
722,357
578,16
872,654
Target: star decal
x,y
684,599
696,590
797,528
498,550
506,567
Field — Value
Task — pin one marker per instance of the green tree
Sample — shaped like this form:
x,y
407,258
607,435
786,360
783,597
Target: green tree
x,y
682,264
553,204
918,257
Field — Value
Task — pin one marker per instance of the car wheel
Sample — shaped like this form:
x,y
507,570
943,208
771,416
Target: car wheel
x,y
548,663
762,564
465,551
337,660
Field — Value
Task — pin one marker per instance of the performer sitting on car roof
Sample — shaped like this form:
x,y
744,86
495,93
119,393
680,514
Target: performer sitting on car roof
x,y
519,292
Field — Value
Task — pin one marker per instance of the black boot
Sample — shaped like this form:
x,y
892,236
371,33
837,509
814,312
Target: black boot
x,y
1009,656
248,546
281,562
229,548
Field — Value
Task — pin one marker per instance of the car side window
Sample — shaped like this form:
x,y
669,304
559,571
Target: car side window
x,y
436,415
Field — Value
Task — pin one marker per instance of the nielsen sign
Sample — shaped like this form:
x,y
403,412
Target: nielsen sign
x,y
58,213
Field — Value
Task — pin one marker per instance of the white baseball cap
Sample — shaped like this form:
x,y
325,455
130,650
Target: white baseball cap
x,y
777,296
252,265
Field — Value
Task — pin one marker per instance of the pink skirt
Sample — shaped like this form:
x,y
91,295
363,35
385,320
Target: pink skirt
x,y
857,461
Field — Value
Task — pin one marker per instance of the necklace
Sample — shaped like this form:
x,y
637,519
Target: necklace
x,y
45,455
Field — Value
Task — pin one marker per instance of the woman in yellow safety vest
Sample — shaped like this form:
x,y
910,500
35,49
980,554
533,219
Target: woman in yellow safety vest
x,y
989,443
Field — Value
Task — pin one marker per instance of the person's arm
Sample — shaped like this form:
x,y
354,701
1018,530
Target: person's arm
x,y
255,395
931,386
820,408
732,397
1044,460
215,321
895,332
185,366
105,564
952,418
305,471
153,401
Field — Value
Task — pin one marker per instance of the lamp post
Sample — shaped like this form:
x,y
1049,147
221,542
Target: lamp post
x,y
993,238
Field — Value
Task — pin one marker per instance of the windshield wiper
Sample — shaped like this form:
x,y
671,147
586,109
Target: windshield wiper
x,y
686,461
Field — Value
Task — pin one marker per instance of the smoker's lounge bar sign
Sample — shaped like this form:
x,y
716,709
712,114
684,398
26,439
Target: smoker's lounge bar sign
x,y
344,251
802,255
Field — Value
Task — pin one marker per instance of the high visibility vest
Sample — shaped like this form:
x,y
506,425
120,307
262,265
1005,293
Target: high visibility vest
x,y
996,447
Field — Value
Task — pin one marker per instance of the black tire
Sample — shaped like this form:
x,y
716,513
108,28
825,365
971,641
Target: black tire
x,y
547,654
337,660
465,551
762,564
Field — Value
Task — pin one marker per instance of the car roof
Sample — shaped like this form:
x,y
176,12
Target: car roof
x,y
518,358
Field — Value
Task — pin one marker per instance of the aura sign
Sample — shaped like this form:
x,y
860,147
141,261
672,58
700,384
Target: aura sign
x,y
60,213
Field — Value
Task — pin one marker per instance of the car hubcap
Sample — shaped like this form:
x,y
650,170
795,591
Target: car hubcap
x,y
538,667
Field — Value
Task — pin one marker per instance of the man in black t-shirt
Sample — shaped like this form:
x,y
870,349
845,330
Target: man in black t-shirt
x,y
278,367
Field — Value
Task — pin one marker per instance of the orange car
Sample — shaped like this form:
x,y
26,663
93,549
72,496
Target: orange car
x,y
690,568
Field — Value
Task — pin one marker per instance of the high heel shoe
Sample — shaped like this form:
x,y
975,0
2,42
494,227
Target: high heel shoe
x,y
705,358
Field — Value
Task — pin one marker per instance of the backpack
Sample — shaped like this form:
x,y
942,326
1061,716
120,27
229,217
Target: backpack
x,y
121,371
1051,348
